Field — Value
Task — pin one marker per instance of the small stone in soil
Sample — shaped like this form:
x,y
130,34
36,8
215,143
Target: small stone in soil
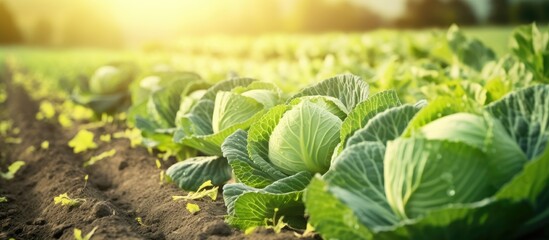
x,y
102,184
101,209
59,229
122,165
39,221
218,229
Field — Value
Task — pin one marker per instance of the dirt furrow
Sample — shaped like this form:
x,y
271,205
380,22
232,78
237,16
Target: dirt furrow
x,y
30,212
120,190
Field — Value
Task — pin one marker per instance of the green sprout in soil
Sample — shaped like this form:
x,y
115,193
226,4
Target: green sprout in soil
x,y
82,141
162,172
13,140
193,208
65,200
45,145
270,223
12,169
105,138
200,193
46,111
85,181
64,120
100,157
78,234
29,149
140,221
133,134
308,233
3,199
5,126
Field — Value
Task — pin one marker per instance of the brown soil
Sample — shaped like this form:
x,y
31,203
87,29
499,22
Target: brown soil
x,y
119,190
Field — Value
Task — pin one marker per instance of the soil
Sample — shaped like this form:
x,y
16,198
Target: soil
x,y
120,189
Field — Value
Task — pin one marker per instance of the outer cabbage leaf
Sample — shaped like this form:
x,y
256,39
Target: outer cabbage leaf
x,y
231,109
504,156
525,115
245,170
250,207
423,175
349,89
191,173
365,111
385,126
196,128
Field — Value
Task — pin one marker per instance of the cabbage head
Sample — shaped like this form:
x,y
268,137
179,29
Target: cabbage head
x,y
306,135
108,80
485,133
107,90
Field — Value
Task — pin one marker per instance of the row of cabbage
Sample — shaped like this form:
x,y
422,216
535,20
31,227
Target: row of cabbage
x,y
471,161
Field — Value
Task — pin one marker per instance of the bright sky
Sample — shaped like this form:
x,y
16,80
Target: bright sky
x,y
164,19
387,8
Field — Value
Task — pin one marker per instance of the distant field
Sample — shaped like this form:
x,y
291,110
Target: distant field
x,y
496,38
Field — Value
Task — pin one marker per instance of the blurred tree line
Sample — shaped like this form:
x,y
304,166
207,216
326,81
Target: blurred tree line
x,y
351,15
428,13
9,33
91,26
83,26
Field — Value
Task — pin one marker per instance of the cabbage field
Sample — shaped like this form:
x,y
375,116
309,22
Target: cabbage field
x,y
430,134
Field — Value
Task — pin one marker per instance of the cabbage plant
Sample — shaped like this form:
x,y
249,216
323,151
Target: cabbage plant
x,y
274,161
224,108
107,89
159,103
457,171
531,47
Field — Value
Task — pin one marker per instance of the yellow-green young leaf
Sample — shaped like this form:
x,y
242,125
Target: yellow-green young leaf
x,y
82,141
16,131
65,200
274,224
13,140
78,234
45,145
162,177
5,126
205,185
140,221
158,164
134,135
64,120
3,95
193,208
105,137
46,110
122,116
30,149
78,112
249,230
85,181
12,169
3,199
107,118
309,232
100,157
200,193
